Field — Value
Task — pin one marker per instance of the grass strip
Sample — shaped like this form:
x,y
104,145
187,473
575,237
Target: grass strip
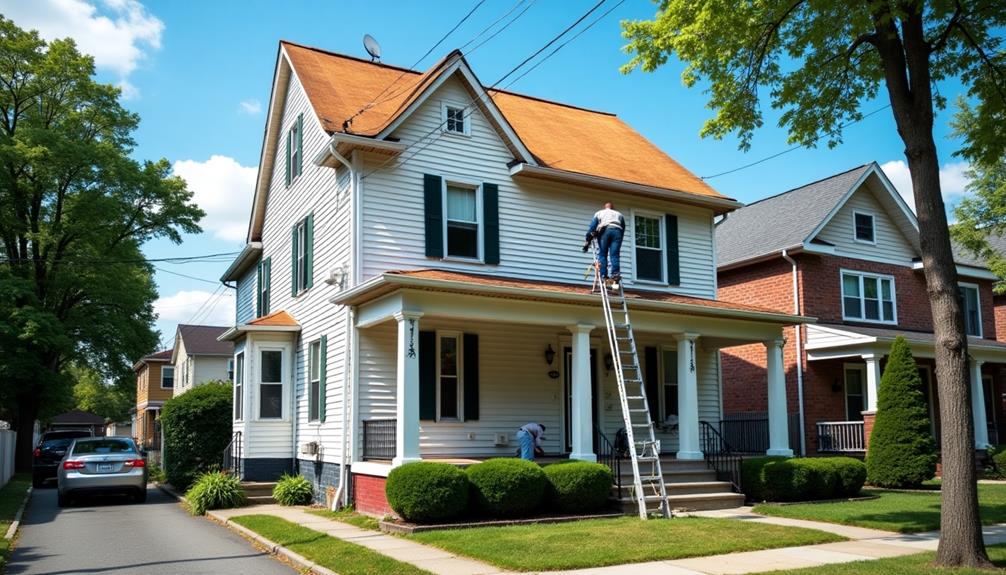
x,y
600,542
349,515
340,556
919,564
11,497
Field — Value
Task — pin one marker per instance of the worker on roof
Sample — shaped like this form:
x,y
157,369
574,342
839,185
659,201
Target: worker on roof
x,y
608,226
529,439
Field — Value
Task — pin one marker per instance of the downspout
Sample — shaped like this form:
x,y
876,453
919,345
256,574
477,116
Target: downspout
x,y
799,353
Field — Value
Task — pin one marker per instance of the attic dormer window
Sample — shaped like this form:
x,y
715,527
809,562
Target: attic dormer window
x,y
864,228
455,120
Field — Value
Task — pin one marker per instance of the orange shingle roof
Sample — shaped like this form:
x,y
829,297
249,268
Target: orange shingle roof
x,y
276,318
560,136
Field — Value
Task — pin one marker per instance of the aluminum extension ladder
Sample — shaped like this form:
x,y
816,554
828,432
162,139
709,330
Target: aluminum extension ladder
x,y
647,476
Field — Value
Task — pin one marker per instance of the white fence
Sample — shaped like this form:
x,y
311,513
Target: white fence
x,y
7,443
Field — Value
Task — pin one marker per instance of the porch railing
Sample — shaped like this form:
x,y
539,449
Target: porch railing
x,y
231,461
720,456
745,435
379,440
840,437
608,455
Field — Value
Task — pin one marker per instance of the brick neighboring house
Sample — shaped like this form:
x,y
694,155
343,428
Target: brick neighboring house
x,y
155,382
845,250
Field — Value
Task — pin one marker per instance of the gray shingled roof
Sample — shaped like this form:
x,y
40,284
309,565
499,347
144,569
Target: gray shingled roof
x,y
782,221
924,337
964,256
202,340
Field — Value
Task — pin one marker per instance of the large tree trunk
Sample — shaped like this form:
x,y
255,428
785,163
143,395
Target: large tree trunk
x,y
27,413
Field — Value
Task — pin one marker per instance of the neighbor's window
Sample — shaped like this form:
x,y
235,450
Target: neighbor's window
x,y
455,121
167,377
313,380
864,228
230,369
649,249
972,310
271,385
449,376
854,397
670,365
239,379
868,297
462,221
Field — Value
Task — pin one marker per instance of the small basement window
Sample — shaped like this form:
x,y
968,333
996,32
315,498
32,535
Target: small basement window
x,y
864,227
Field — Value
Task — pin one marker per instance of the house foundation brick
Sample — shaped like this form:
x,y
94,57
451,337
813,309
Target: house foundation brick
x,y
368,495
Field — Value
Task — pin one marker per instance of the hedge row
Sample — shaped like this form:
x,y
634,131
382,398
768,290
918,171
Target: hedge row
x,y
807,479
428,492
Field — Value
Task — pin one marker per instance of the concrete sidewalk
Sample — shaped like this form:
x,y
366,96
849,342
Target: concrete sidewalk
x,y
863,545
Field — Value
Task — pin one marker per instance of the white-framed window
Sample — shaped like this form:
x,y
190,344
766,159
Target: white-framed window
x,y
314,381
855,391
669,384
167,377
971,306
294,160
301,278
648,243
264,286
239,380
463,209
270,404
456,119
230,369
868,297
449,391
864,227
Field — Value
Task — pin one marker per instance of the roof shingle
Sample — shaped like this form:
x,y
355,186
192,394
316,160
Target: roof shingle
x,y
202,340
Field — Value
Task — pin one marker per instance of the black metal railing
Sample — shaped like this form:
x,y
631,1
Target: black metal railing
x,y
231,461
745,435
720,455
993,433
841,437
608,455
379,440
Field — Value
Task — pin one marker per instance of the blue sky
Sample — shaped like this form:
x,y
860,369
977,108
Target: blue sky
x,y
199,75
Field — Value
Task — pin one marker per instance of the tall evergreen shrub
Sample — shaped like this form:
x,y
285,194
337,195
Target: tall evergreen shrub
x,y
197,428
902,452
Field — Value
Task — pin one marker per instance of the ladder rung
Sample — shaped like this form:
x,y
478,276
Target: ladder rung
x,y
640,425
639,411
634,397
650,477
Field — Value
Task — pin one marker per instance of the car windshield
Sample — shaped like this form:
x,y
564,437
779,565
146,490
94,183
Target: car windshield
x,y
102,446
57,443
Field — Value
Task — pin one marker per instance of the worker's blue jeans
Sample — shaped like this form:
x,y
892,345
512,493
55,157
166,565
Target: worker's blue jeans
x,y
526,442
610,242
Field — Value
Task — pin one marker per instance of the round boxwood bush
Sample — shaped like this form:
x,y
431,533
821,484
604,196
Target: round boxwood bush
x,y
215,490
293,490
197,428
783,479
578,486
850,475
506,487
425,491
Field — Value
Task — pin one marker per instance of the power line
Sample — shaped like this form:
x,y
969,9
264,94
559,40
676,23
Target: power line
x,y
186,276
497,33
218,257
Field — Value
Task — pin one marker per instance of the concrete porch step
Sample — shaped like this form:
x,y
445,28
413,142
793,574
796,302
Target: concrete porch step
x,y
692,502
260,499
258,492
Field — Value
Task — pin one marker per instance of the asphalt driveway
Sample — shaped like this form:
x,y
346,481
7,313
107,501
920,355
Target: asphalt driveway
x,y
113,535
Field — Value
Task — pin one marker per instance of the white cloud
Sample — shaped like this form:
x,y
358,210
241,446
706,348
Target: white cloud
x,y
250,107
223,188
953,180
183,306
118,33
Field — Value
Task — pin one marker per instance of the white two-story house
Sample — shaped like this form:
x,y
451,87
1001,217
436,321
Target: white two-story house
x,y
413,285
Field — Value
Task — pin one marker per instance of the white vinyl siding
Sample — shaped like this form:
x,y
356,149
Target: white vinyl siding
x,y
245,297
889,245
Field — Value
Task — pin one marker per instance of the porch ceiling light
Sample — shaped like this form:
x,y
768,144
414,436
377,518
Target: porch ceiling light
x,y
549,354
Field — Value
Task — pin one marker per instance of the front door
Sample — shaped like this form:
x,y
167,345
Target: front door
x,y
567,404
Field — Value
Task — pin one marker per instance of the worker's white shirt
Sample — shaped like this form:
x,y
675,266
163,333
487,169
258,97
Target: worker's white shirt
x,y
535,431
606,217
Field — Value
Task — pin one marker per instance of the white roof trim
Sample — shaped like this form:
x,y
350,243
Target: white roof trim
x,y
239,330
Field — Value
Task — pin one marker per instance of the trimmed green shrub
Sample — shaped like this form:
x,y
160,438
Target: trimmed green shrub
x,y
293,490
425,491
783,479
197,428
577,487
506,487
902,452
215,490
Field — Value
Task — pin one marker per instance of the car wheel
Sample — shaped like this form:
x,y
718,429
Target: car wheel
x,y
62,500
37,480
141,496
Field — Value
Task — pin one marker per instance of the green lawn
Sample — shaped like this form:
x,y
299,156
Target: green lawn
x,y
894,511
920,564
348,515
338,555
11,497
599,542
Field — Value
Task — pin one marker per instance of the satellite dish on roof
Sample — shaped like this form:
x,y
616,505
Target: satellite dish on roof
x,y
372,47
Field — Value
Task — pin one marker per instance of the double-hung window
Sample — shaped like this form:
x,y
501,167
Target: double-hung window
x,y
864,228
295,150
670,383
448,376
167,377
271,384
239,380
868,297
230,369
314,381
264,286
301,255
649,248
455,120
970,305
462,221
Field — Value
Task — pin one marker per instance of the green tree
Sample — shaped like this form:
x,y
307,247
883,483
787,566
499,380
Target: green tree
x,y
111,400
819,62
75,208
902,452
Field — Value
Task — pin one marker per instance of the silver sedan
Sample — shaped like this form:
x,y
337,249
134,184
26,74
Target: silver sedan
x,y
102,465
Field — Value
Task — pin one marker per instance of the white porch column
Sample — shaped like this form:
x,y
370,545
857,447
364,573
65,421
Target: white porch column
x,y
978,405
688,398
778,415
873,375
582,424
407,404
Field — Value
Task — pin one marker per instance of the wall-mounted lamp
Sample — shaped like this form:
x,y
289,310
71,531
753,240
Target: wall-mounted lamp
x,y
836,386
549,354
609,362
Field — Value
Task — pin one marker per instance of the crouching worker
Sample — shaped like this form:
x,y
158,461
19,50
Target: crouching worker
x,y
529,439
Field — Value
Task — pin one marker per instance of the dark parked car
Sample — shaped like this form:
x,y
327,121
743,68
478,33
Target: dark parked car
x,y
102,465
50,451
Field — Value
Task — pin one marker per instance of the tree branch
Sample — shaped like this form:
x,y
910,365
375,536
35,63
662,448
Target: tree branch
x,y
940,41
993,68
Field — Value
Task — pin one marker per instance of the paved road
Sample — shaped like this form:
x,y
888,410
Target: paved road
x,y
113,535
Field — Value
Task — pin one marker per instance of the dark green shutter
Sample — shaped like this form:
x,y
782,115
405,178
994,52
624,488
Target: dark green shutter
x,y
300,144
673,267
651,379
309,251
491,210
268,286
427,375
293,262
470,347
289,148
322,368
258,285
434,208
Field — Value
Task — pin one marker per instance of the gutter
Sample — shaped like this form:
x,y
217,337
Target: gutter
x,y
799,353
343,491
247,256
354,186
